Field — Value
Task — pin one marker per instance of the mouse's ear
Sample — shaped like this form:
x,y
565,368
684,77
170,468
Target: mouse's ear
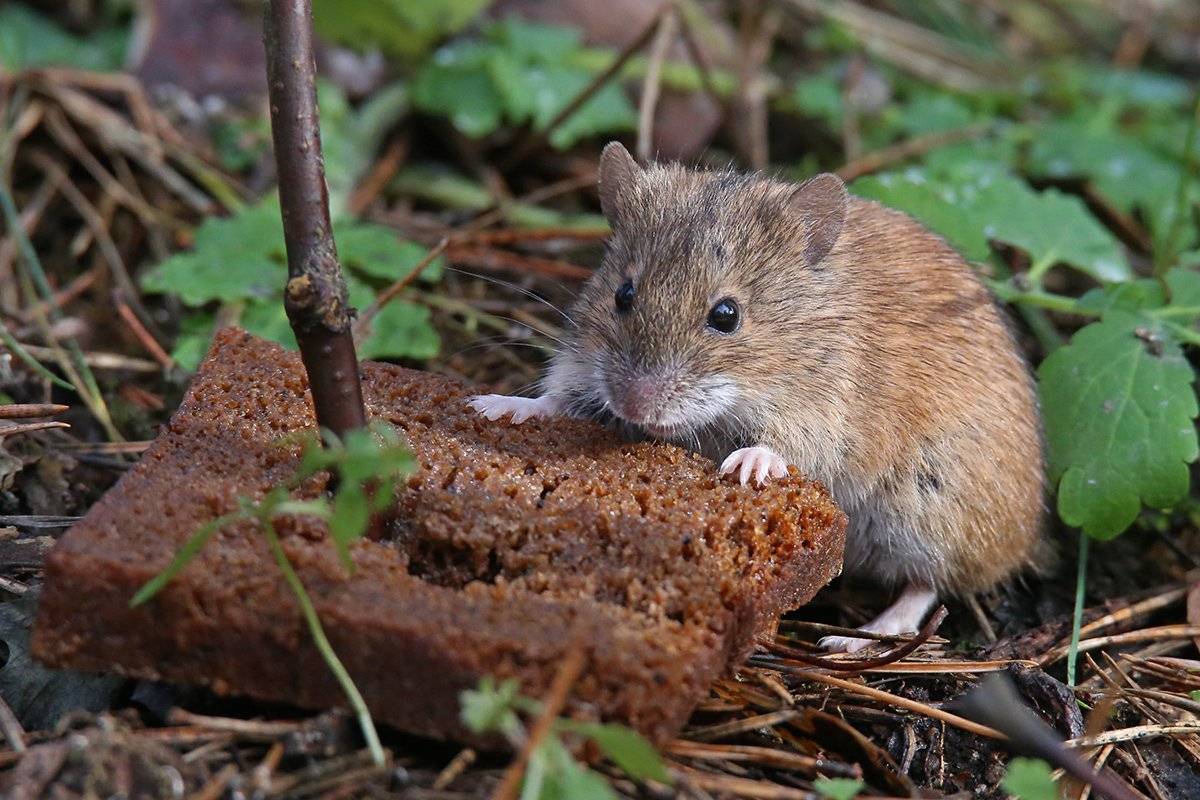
x,y
618,174
821,203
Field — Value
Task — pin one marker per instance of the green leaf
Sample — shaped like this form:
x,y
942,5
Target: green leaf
x,y
838,788
936,204
233,258
819,96
1118,407
629,750
400,28
28,39
932,112
607,111
401,330
521,73
195,335
533,41
377,251
489,708
349,518
1130,175
268,319
567,779
1195,695
1185,287
350,138
467,96
1030,779
1050,226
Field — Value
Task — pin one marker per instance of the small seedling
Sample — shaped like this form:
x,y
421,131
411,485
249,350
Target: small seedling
x,y
366,467
838,788
1030,779
552,773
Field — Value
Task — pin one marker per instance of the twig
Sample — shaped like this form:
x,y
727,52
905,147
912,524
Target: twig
x,y
895,700
652,83
1136,733
30,410
732,786
510,236
10,726
315,297
29,427
889,657
363,324
556,698
492,259
217,785
97,360
909,148
764,756
1135,610
733,727
463,759
144,337
1162,633
985,624
377,179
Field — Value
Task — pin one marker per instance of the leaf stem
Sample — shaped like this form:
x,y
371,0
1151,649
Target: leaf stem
x,y
1183,333
184,556
1077,616
1051,302
1165,255
1040,267
323,646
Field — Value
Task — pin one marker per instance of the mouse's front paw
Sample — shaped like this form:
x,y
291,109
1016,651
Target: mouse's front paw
x,y
519,409
760,462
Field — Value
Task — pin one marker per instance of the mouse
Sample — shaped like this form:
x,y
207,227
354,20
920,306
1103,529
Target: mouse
x,y
773,326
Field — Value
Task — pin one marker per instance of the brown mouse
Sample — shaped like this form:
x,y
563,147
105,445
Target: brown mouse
x,y
769,324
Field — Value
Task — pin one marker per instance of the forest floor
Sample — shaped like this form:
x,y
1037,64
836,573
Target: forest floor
x,y
111,180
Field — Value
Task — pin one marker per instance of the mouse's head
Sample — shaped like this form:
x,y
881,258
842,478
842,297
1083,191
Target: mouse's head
x,y
702,295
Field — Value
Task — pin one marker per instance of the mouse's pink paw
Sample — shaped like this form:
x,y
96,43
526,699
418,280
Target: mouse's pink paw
x,y
760,462
519,409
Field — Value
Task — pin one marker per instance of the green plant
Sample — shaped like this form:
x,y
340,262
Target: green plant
x,y
400,28
519,73
838,788
552,773
28,39
240,260
365,468
1030,779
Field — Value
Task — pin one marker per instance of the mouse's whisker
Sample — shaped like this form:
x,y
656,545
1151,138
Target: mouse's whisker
x,y
519,289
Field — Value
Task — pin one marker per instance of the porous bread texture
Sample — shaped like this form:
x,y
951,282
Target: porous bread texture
x,y
509,546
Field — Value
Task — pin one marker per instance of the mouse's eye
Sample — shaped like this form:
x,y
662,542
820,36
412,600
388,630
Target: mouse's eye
x,y
625,296
724,316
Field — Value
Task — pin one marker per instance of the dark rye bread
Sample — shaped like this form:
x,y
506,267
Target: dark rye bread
x,y
509,545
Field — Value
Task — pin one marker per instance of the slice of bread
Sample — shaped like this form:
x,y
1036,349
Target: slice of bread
x,y
509,546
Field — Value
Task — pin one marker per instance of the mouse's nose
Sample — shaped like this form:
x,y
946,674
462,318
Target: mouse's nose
x,y
640,399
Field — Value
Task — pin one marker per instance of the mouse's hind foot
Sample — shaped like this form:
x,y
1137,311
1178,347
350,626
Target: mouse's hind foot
x,y
903,616
518,409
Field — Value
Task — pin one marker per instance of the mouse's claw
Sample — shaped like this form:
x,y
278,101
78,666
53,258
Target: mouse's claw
x,y
762,463
518,409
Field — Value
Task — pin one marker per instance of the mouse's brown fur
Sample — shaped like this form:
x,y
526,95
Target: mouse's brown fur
x,y
881,366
